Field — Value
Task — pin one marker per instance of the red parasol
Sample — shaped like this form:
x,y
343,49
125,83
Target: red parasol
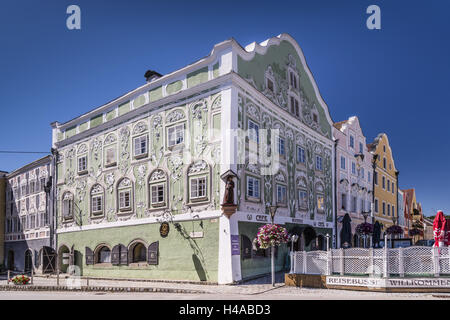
x,y
439,228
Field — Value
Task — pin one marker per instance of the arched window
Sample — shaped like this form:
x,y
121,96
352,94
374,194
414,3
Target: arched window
x,y
67,207
110,150
138,252
97,200
320,200
103,255
158,189
280,189
302,194
124,195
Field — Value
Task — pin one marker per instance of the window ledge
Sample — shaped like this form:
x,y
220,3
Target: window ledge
x,y
141,156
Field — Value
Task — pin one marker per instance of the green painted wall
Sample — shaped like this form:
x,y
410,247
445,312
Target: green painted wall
x,y
139,101
97,120
174,87
111,115
155,94
71,132
277,57
216,70
124,108
180,257
197,77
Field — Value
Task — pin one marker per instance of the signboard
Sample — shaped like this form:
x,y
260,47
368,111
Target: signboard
x,y
235,245
164,229
388,283
196,234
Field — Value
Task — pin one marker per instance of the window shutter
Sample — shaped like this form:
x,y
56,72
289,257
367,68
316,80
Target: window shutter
x,y
123,255
115,255
89,256
246,246
152,257
72,256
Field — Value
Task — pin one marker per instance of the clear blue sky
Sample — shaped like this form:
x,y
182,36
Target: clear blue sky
x,y
396,80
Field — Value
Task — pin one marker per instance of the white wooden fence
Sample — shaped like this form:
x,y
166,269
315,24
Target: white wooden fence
x,y
385,261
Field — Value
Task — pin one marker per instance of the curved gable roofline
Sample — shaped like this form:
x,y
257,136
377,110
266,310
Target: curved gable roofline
x,y
378,139
250,50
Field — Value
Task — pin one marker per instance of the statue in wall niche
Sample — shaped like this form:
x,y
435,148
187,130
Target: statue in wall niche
x,y
229,191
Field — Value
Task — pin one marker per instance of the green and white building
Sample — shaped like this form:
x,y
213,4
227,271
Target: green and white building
x,y
157,157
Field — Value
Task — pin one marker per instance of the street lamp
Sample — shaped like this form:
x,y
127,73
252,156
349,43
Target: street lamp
x,y
273,210
365,214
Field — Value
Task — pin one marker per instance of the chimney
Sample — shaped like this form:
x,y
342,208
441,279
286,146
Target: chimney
x,y
151,75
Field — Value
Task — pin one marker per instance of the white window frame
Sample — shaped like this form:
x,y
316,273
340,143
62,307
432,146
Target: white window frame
x,y
343,161
175,134
303,206
281,146
122,204
97,204
82,167
301,156
319,164
321,196
256,192
140,150
197,192
253,130
114,162
280,188
157,185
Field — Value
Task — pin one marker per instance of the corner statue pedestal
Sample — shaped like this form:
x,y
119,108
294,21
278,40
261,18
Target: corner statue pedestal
x,y
229,209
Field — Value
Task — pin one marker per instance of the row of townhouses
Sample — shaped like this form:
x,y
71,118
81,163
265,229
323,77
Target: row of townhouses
x,y
173,179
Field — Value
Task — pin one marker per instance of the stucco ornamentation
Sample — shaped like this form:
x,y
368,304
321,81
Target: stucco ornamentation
x,y
197,109
175,116
82,148
140,127
217,103
70,153
125,183
280,177
81,190
96,189
158,175
124,154
253,111
96,148
109,180
141,171
110,138
198,166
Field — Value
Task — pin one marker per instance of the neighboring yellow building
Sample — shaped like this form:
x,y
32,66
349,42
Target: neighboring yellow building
x,y
2,214
385,182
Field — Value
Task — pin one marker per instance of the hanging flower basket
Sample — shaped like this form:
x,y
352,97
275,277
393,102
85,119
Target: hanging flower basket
x,y
394,230
271,235
364,228
20,280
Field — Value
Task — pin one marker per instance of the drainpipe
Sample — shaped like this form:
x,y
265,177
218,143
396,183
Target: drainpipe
x,y
374,166
335,194
54,238
396,196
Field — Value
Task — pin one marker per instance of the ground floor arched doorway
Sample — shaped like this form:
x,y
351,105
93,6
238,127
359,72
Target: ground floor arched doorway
x,y
63,258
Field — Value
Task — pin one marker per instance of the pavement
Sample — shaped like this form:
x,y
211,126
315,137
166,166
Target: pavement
x,y
261,289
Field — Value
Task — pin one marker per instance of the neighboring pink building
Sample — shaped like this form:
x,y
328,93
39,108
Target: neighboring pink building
x,y
354,174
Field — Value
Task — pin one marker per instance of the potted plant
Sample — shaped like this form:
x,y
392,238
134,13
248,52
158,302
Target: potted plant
x,y
395,229
20,280
271,235
364,228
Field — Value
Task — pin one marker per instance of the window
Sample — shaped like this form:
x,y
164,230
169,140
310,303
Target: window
x,y
320,203
270,85
252,187
393,189
342,162
293,79
375,177
82,164
393,212
198,187
319,163
352,142
362,205
24,190
97,199
384,182
315,118
388,185
139,253
157,192
343,201
42,185
388,209
354,203
376,205
253,131
362,173
281,194
302,199
300,155
281,149
368,176
110,156
175,135
295,109
104,255
361,150
384,163
140,146
384,208
125,188
353,168
67,206
32,184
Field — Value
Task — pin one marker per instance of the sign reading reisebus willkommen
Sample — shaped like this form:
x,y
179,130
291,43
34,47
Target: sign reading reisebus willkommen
x,y
388,283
